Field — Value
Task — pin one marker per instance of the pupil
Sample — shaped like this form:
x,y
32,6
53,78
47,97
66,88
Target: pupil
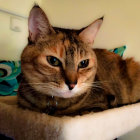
x,y
53,60
83,62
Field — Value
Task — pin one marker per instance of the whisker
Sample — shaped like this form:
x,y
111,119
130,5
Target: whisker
x,y
92,85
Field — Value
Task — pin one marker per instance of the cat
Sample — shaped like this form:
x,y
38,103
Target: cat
x,y
64,75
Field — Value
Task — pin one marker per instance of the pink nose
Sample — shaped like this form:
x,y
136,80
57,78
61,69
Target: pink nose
x,y
71,86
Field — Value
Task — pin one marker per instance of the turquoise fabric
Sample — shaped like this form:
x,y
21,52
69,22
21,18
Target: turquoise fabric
x,y
119,51
9,70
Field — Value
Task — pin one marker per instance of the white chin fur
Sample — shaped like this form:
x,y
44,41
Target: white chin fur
x,y
66,93
63,92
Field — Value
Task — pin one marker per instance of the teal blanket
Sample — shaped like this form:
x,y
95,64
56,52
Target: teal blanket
x,y
9,81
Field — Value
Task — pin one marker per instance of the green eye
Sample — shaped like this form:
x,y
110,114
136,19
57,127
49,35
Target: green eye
x,y
53,61
83,64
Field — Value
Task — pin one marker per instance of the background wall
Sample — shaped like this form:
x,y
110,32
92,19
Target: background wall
x,y
121,25
11,42
121,20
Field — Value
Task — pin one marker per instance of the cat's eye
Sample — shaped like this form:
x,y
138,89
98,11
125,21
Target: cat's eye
x,y
83,64
53,61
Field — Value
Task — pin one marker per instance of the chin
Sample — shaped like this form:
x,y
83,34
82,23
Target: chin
x,y
69,93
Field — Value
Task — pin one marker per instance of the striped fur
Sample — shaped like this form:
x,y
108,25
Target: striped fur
x,y
108,81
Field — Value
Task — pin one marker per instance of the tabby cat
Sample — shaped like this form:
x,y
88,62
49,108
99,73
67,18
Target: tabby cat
x,y
63,75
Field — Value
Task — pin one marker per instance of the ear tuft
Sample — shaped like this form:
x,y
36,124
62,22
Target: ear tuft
x,y
36,5
102,18
89,33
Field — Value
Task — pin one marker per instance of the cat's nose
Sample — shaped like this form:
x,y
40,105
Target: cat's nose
x,y
71,86
70,79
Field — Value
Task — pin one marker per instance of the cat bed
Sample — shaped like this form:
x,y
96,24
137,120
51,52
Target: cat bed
x,y
22,124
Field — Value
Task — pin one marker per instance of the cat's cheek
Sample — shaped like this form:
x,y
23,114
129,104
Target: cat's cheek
x,y
42,59
93,62
83,77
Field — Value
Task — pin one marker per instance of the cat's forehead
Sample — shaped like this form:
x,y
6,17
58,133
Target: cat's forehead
x,y
64,45
68,41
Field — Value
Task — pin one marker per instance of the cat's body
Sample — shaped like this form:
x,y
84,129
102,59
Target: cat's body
x,y
63,75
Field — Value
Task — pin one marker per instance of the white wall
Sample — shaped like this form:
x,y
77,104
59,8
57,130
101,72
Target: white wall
x,y
121,23
21,7
11,42
121,20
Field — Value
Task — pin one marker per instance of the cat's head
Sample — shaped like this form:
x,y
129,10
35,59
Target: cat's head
x,y
59,62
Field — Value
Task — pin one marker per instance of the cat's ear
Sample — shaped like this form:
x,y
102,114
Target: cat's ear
x,y
88,34
38,24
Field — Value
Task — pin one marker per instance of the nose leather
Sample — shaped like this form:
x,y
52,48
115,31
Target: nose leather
x,y
71,79
71,86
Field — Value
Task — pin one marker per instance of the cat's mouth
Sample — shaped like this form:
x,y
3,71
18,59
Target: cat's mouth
x,y
65,92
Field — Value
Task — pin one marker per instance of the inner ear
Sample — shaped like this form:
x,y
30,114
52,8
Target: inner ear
x,y
89,33
38,24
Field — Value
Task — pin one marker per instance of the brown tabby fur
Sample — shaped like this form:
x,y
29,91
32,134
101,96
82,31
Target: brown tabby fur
x,y
110,80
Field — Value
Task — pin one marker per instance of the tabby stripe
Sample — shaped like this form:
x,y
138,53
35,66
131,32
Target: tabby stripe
x,y
28,100
125,76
